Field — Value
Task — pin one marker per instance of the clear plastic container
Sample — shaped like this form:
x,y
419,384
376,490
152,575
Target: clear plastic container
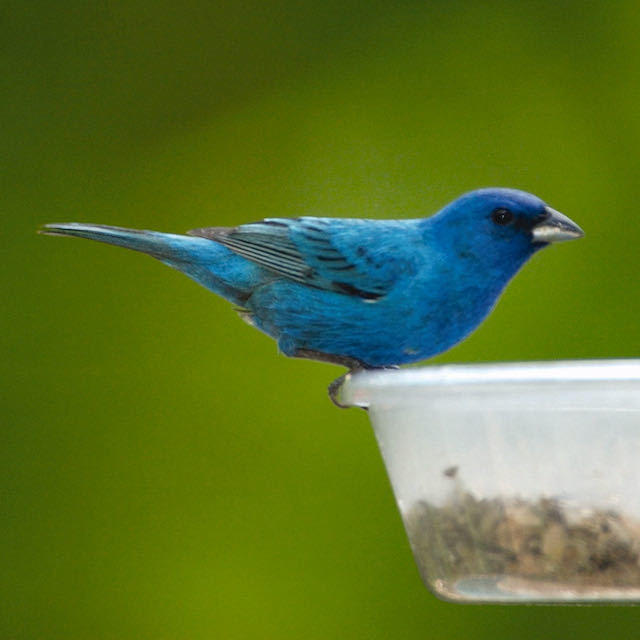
x,y
516,482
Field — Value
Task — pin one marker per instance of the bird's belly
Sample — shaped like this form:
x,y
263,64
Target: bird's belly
x,y
392,330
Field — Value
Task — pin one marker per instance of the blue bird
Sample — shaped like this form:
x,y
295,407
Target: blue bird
x,y
360,293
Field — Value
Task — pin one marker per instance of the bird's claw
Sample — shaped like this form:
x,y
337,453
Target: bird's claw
x,y
334,390
336,385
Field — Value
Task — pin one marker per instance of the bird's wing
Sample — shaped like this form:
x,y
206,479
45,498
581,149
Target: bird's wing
x,y
355,257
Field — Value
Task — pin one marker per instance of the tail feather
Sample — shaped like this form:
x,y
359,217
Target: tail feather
x,y
159,245
205,261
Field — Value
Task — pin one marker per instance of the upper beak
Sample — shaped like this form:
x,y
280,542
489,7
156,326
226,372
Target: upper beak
x,y
556,227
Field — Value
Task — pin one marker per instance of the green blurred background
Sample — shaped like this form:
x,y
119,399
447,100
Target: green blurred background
x,y
165,473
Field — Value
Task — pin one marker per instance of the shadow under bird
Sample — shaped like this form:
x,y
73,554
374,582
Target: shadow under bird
x,y
360,293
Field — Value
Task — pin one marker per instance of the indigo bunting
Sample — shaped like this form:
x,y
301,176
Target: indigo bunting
x,y
361,293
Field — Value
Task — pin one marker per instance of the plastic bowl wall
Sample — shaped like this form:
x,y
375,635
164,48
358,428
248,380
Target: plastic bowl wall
x,y
516,482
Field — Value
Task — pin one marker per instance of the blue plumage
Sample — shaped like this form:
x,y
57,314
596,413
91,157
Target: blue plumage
x,y
369,293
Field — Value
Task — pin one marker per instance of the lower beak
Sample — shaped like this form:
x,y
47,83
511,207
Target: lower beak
x,y
556,227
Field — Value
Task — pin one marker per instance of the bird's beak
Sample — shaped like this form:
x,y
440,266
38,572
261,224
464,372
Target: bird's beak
x,y
556,227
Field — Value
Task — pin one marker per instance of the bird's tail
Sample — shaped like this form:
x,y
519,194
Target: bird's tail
x,y
203,260
160,245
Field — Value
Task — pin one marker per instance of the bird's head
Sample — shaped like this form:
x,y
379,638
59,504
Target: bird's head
x,y
501,226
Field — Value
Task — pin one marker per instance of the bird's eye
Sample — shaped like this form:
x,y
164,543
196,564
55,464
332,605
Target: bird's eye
x,y
502,216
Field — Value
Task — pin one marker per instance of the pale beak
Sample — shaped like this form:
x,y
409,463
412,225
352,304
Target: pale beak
x,y
556,227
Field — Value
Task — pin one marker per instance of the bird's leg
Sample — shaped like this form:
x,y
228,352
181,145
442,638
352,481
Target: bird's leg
x,y
344,361
352,364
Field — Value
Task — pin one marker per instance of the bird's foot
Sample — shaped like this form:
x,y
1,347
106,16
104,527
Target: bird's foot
x,y
352,364
334,389
336,385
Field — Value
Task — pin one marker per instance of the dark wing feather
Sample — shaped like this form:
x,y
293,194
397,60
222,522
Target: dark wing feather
x,y
317,252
